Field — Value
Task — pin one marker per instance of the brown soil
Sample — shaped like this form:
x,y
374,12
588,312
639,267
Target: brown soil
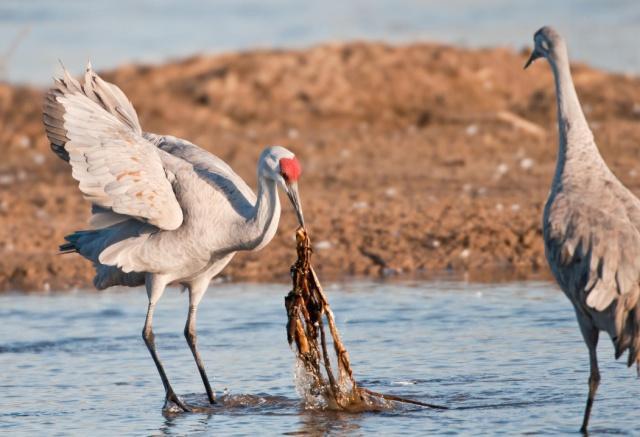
x,y
417,160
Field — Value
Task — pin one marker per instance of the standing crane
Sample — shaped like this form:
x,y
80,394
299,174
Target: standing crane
x,y
591,226
163,210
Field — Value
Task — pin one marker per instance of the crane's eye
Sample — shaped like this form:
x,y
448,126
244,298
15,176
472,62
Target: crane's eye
x,y
544,45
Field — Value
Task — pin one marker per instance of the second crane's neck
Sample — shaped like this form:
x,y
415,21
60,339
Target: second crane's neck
x,y
263,224
576,143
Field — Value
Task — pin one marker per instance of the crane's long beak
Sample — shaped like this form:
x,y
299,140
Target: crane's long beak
x,y
294,197
534,55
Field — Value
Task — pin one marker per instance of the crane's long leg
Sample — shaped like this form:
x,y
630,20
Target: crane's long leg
x,y
196,291
591,338
155,288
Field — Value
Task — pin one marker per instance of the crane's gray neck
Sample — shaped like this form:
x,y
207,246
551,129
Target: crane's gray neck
x,y
576,144
262,225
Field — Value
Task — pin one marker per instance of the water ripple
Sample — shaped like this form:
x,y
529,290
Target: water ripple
x,y
512,362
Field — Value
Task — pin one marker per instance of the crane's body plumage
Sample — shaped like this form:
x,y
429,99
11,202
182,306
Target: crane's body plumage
x,y
591,226
164,210
593,250
215,213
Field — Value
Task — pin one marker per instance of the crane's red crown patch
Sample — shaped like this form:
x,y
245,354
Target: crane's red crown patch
x,y
290,169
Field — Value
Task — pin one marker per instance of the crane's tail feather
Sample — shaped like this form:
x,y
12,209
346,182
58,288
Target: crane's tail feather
x,y
634,348
90,243
86,243
67,248
628,338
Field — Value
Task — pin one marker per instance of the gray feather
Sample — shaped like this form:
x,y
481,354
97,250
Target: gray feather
x,y
591,226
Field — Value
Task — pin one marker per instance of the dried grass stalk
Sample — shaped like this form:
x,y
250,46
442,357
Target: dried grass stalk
x,y
308,310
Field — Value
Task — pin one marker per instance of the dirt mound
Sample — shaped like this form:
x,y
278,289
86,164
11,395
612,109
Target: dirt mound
x,y
417,159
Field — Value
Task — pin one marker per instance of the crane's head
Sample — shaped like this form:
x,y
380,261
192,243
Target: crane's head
x,y
545,42
282,166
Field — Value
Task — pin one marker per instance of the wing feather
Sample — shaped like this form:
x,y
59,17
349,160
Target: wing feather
x,y
208,166
597,249
116,168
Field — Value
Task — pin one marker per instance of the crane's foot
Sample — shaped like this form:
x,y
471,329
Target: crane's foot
x,y
212,399
171,397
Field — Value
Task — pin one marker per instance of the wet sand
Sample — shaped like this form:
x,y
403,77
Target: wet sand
x,y
418,160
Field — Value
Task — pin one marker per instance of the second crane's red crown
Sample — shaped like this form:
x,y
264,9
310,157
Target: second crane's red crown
x,y
290,169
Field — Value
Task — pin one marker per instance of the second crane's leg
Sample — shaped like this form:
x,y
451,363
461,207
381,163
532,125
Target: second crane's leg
x,y
155,288
591,338
196,291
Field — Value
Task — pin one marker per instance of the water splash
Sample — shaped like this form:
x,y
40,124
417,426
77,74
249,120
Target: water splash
x,y
308,311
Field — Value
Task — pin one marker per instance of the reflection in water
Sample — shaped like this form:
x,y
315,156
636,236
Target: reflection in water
x,y
504,358
314,423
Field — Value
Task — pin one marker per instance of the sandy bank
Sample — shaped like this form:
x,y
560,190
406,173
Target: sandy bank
x,y
417,159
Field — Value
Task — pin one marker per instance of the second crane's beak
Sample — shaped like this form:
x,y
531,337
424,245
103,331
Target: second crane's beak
x,y
294,197
534,55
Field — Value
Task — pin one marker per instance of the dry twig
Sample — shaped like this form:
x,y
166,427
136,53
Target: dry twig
x,y
307,309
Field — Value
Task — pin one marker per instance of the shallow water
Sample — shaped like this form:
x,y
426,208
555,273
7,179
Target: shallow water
x,y
506,359
603,33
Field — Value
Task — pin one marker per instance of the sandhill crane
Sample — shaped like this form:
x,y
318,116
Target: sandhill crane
x,y
164,210
591,226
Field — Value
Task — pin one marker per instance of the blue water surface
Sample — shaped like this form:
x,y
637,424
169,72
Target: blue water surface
x,y
602,33
507,359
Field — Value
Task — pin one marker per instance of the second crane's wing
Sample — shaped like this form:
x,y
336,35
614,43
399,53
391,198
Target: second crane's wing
x,y
597,248
115,166
210,168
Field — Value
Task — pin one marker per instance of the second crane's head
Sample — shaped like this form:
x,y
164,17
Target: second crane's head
x,y
282,166
548,43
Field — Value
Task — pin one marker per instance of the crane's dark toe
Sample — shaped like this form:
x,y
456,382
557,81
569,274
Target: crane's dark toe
x,y
174,398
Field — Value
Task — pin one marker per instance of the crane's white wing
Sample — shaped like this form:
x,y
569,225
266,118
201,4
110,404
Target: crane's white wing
x,y
598,248
116,168
209,167
111,98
